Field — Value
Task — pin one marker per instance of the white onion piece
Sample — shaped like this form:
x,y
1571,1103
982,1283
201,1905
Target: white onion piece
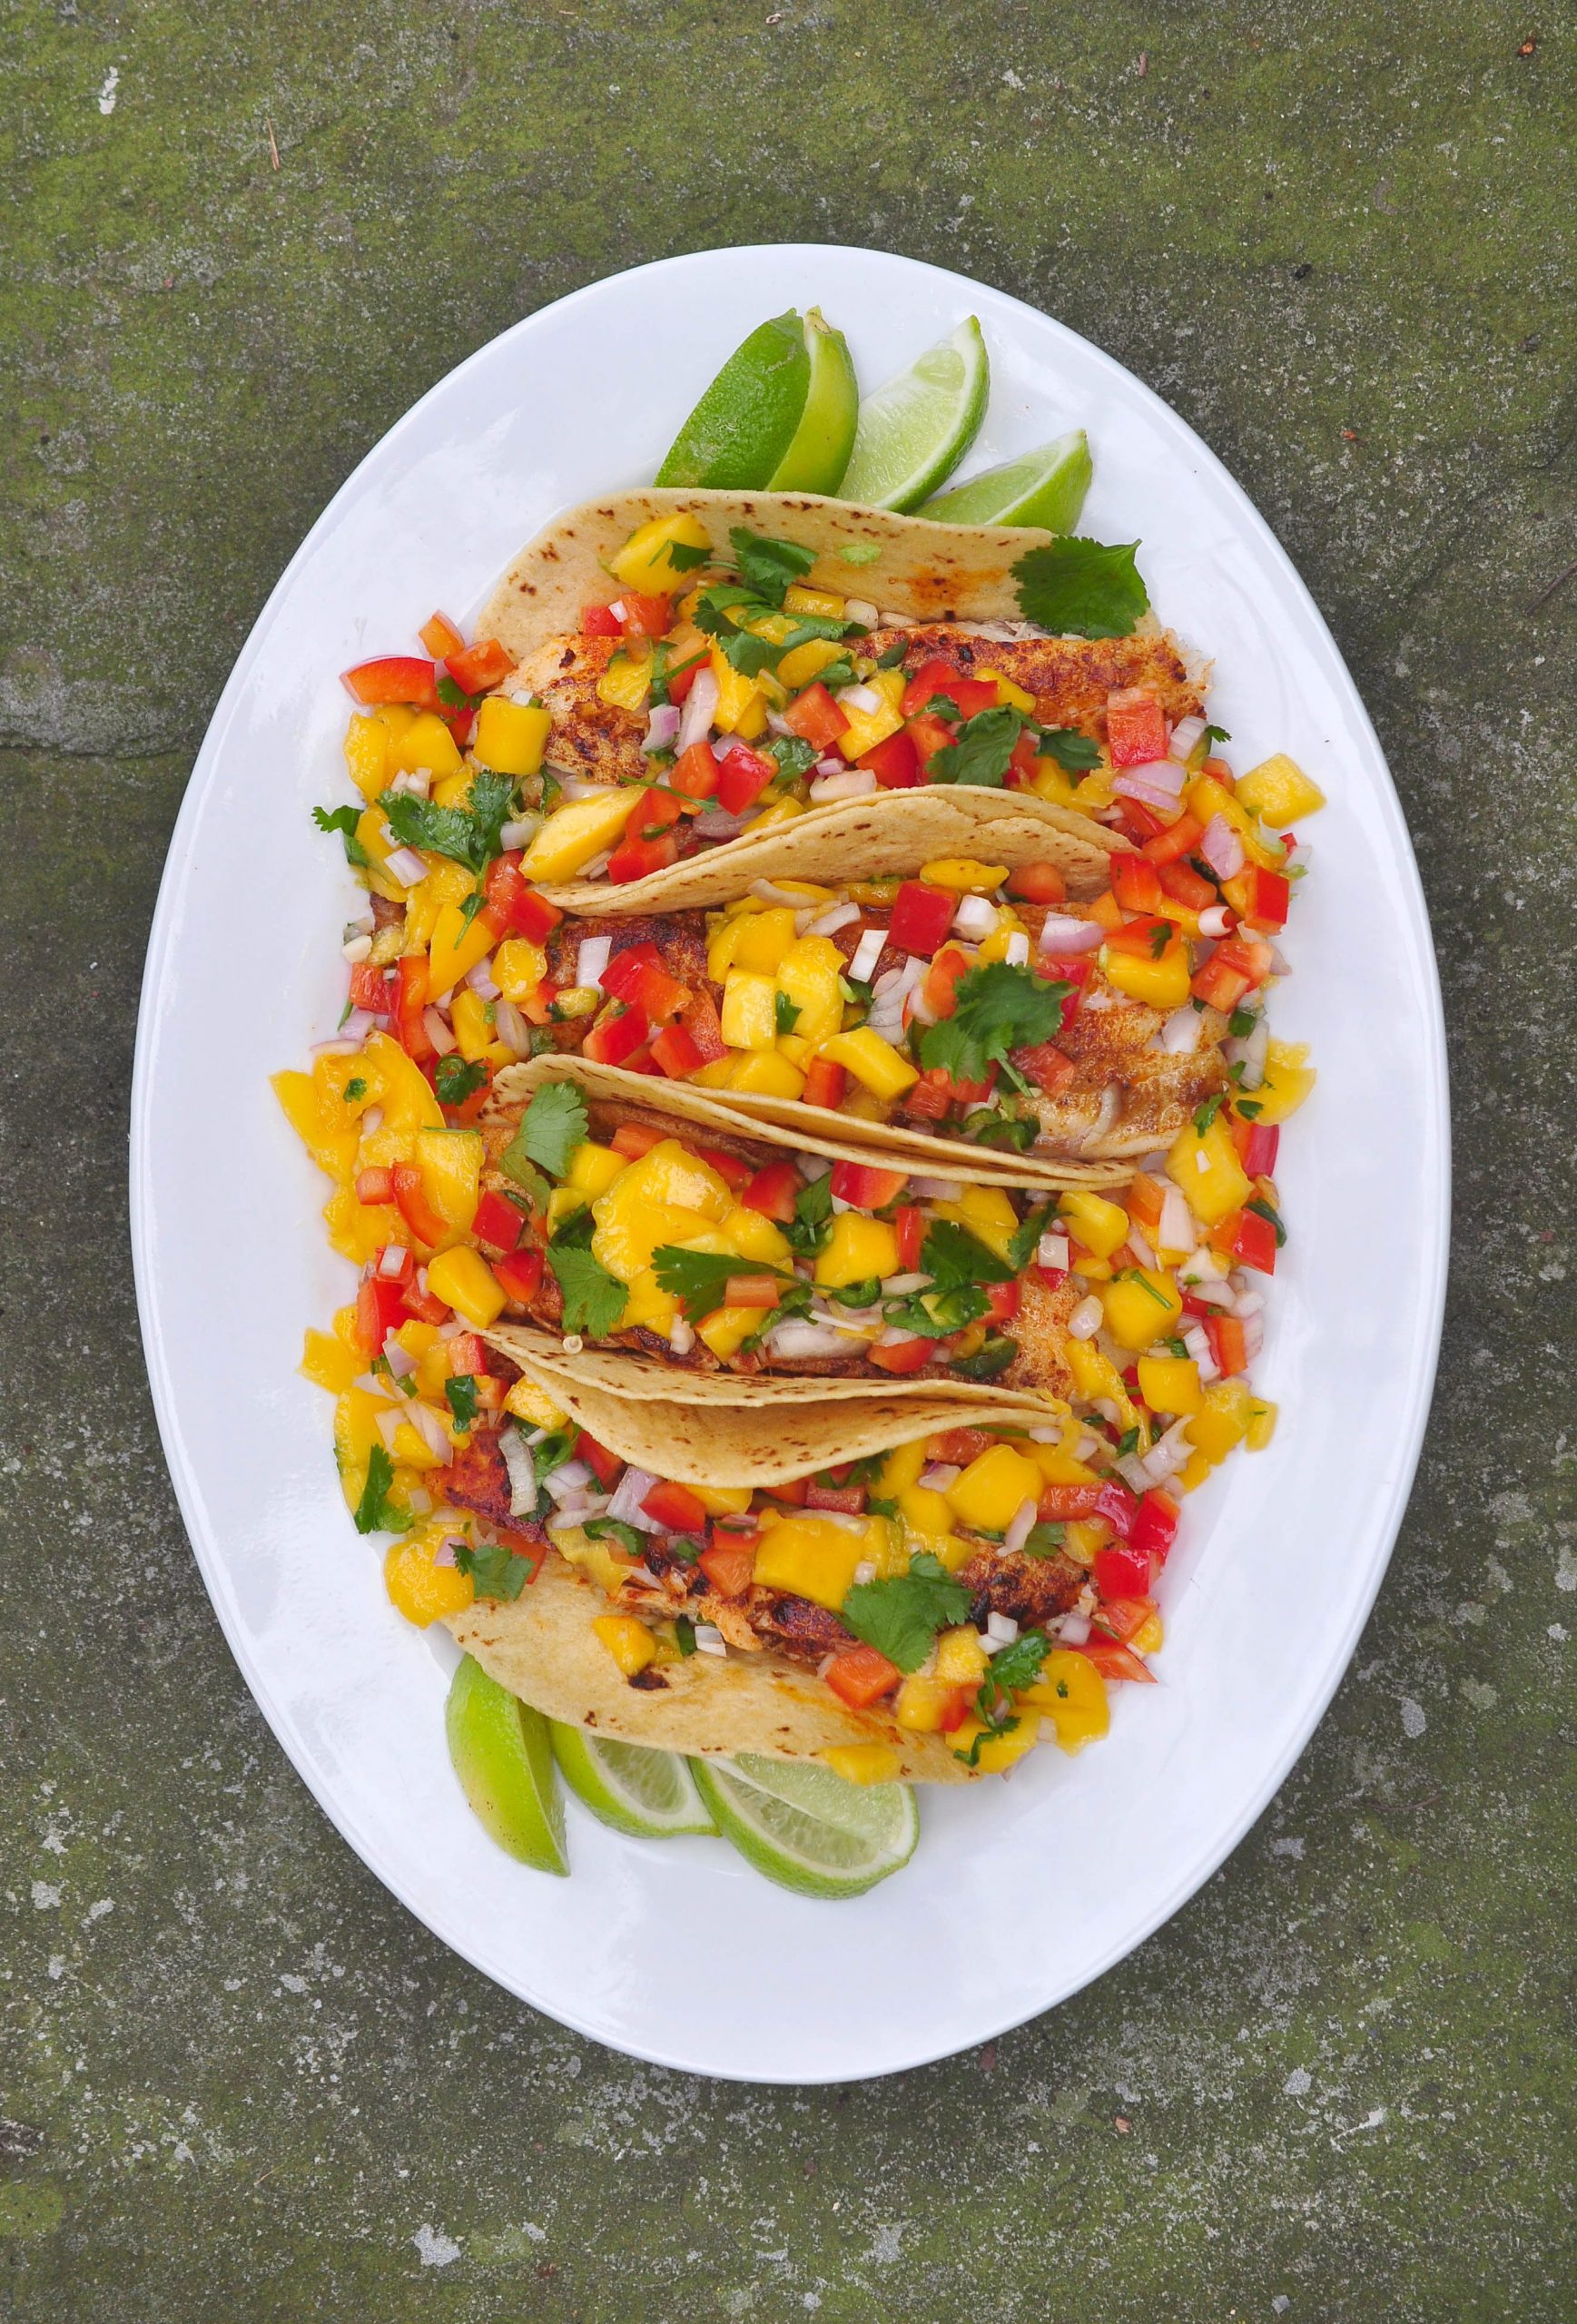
x,y
405,865
862,610
835,917
1074,1630
1133,782
1085,1320
1171,1453
522,1472
709,1640
1221,849
479,976
520,832
429,1428
355,949
1180,1036
1184,735
899,1286
681,1336
865,1571
1052,1251
812,1166
1162,775
1250,1053
1133,1472
830,763
436,1028
864,699
511,1028
1017,955
592,960
567,1481
1002,1629
777,723
1248,1302
392,1263
937,1189
1022,1526
1174,1230
1253,1337
766,892
796,1341
662,726
940,1476
626,1505
700,704
581,786
1196,1340
975,919
861,967
1139,1244
852,782
1059,933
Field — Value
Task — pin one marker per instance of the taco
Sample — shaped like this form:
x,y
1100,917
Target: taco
x,y
858,1591
862,964
650,1221
704,651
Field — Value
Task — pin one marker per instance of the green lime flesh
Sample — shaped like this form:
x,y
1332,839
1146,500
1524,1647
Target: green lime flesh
x,y
1045,487
819,453
807,1828
501,1751
913,432
650,1794
742,428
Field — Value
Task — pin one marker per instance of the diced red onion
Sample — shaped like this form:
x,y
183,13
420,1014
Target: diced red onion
x,y
1139,1244
830,763
867,953
1250,1053
1085,1320
1248,1302
1196,1340
1174,1230
1060,933
700,704
1184,735
429,1428
717,823
445,1553
1017,955
1253,1337
940,1476
479,976
511,1028
592,958
836,915
628,1494
1221,849
435,1025
1280,965
1134,782
662,726
406,866
937,1189
1002,1629
1180,1036
1022,1526
1052,1250
849,783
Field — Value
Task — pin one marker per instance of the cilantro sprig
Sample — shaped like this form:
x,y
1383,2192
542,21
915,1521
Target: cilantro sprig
x,y
554,1124
344,821
997,1007
375,1512
698,1280
495,1572
1082,588
593,1300
902,1615
469,834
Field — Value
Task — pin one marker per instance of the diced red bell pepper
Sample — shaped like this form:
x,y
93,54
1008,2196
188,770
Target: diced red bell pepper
x,y
1135,883
1228,1344
958,1446
1074,969
521,909
1117,1505
497,1221
681,680
675,1508
632,1139
1155,1525
898,1356
848,1500
909,1221
1122,1619
950,963
971,695
859,1676
1022,766
1060,1503
695,772
732,1168
928,735
394,678
1257,1147
520,1273
1140,821
411,1198
700,1020
637,975
1038,883
1121,1571
792,1492
1003,1301
1251,959
375,1185
675,1054
894,762
1179,839
1261,899
647,617
729,1565
1218,984
741,777
1185,886
638,858
441,637
866,1185
606,1466
761,1291
921,917
409,1000
1045,1065
1248,1237
816,718
1115,1661
467,1355
1142,937
774,1192
380,1309
1136,726
371,989
426,1306
600,621
616,1035
826,1083
478,668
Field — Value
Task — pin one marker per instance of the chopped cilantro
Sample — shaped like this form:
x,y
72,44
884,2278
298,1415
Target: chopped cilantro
x,y
468,834
495,1572
1241,1023
374,1512
453,696
1268,1212
1161,937
593,1300
953,1256
684,1634
614,1529
472,906
552,1451
1082,588
355,1087
981,751
1074,753
456,1080
1018,1665
460,1396
1026,1236
997,1007
1044,1541
553,1125
892,659
812,1223
786,1014
1208,1112
1217,734
344,821
1250,1108
698,1279
768,568
1127,1442
901,1617
683,555
794,756
997,1126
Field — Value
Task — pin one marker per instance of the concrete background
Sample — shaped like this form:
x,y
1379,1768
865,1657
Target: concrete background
x,y
237,2081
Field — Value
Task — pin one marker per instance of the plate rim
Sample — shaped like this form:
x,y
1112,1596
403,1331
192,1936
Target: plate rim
x,y
1434,1185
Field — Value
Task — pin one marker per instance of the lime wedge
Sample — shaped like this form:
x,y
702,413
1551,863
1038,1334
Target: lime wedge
x,y
819,453
650,1794
501,1750
1045,487
914,431
806,1827
746,421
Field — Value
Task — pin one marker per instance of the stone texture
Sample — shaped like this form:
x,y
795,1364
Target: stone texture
x,y
236,2079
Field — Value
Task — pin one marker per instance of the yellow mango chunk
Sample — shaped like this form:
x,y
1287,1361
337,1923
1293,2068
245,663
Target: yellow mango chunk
x,y
807,975
813,1557
593,1169
573,835
422,1591
1141,1305
1071,1693
856,1249
426,744
1288,1080
645,562
463,1278
964,875
511,736
862,1762
450,1162
749,1014
1279,792
989,1493
1161,983
629,1642
873,1061
367,742
1100,1226
1203,1165
1169,1384
455,949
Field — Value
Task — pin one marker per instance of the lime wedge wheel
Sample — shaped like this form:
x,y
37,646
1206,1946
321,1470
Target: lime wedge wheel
x,y
651,1795
501,1752
779,417
807,1828
1044,487
914,431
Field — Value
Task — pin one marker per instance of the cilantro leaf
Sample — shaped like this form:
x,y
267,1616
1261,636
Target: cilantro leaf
x,y
1018,1665
456,1080
460,1396
495,1572
552,1451
1208,1112
1217,734
745,652
698,1279
713,606
684,1634
1074,753
982,750
812,1223
374,1512
893,659
987,1362
794,756
997,1126
768,568
1082,588
614,1529
999,1008
683,555
593,1300
344,821
468,834
1044,1540
785,1014
901,1617
955,1256
1026,1236
554,1124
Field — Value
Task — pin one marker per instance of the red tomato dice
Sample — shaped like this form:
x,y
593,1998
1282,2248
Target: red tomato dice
x,y
600,621
729,1565
816,718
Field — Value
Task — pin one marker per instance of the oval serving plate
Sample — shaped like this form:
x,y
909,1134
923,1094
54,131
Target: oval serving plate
x,y
1020,1891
